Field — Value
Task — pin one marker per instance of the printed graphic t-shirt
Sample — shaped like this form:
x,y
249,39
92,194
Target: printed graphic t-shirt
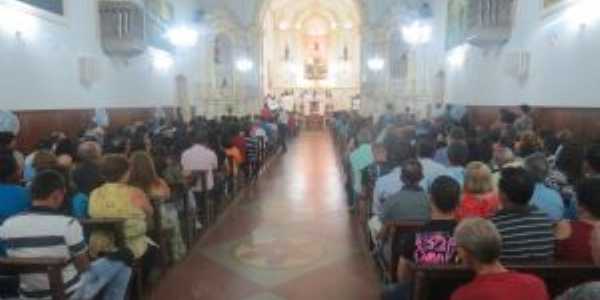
x,y
433,244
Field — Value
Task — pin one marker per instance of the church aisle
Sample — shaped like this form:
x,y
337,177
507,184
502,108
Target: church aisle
x,y
290,237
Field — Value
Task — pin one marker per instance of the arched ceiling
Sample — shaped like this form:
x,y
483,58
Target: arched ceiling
x,y
296,12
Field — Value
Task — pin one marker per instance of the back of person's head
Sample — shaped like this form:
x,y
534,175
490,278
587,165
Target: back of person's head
x,y
517,186
397,150
119,144
412,172
458,154
44,160
478,178
586,291
143,173
592,158
526,109
46,183
114,167
8,167
529,143
570,161
537,166
89,151
64,147
425,148
199,137
480,239
457,134
445,193
363,136
7,139
588,196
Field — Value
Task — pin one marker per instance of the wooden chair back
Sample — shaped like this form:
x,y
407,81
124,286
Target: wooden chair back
x,y
52,267
115,226
397,233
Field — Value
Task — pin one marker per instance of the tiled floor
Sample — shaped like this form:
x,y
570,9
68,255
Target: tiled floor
x,y
291,237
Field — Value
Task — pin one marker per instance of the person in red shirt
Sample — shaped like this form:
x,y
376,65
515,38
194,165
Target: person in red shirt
x,y
574,237
479,245
479,196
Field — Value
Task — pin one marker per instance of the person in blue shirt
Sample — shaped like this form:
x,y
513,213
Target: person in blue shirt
x,y
545,198
13,198
458,154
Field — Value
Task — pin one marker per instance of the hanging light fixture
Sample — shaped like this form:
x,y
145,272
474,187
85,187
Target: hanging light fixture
x,y
417,33
376,64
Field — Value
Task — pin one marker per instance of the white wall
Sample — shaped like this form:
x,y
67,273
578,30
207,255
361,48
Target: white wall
x,y
41,71
564,64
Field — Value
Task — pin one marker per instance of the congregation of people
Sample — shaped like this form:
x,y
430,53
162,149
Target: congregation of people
x,y
484,197
139,173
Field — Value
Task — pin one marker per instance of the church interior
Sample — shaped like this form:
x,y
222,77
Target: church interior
x,y
300,149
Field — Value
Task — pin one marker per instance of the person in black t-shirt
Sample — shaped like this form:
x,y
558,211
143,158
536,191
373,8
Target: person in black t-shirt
x,y
434,242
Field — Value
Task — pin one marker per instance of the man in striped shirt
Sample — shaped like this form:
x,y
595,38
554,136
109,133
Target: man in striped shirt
x,y
44,232
527,232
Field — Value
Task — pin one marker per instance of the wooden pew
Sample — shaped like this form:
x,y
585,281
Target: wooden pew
x,y
115,226
52,267
160,234
446,278
394,234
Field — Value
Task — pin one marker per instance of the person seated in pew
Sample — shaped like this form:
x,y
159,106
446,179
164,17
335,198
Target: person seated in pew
x,y
13,198
431,169
545,198
480,198
44,232
117,199
574,237
527,232
457,135
434,242
86,177
143,176
587,291
479,245
410,203
457,158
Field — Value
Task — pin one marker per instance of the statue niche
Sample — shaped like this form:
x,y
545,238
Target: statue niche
x,y
223,65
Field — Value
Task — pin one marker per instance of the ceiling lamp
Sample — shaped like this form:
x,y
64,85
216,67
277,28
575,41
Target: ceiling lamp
x,y
162,60
417,33
182,36
244,65
376,64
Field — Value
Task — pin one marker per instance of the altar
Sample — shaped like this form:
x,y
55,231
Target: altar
x,y
312,66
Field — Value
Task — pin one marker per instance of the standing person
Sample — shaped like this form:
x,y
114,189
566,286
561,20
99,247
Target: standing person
x,y
44,232
199,157
479,245
282,125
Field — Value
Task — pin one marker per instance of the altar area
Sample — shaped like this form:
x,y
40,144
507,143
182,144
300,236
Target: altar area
x,y
311,55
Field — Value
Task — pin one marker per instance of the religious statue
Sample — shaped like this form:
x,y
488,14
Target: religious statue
x,y
316,70
286,53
